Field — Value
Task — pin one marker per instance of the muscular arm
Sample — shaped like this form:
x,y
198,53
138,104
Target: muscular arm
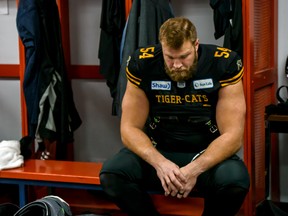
x,y
230,116
135,109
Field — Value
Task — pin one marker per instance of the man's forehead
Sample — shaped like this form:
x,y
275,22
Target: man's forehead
x,y
185,49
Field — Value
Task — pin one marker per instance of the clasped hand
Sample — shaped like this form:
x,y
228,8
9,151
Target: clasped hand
x,y
175,181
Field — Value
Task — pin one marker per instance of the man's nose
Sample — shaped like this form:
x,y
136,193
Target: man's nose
x,y
177,64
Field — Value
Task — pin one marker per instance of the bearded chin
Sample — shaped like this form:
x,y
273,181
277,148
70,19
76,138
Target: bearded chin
x,y
181,75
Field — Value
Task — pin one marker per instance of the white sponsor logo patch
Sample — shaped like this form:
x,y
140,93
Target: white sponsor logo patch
x,y
161,85
203,84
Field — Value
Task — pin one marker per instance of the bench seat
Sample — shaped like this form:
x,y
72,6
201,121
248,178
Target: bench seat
x,y
56,171
82,177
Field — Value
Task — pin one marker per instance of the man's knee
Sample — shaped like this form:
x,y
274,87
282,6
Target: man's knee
x,y
232,174
225,202
110,183
233,193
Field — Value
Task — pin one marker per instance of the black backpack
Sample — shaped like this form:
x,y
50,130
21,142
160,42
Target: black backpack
x,y
269,208
46,206
281,108
8,209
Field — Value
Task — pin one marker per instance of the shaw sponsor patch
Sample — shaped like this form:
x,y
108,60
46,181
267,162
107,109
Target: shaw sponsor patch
x,y
161,85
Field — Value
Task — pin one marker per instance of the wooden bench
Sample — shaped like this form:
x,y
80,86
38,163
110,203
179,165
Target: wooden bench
x,y
83,175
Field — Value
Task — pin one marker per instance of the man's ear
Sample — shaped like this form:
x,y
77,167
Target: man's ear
x,y
197,44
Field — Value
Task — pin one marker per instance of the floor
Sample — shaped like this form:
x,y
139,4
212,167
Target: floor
x,y
84,202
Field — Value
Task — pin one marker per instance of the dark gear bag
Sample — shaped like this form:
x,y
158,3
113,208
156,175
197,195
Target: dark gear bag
x,y
46,206
282,107
8,209
268,208
283,101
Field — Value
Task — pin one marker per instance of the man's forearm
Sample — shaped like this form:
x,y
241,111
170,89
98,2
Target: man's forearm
x,y
138,142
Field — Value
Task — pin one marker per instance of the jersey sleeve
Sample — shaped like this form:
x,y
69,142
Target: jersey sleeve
x,y
133,72
141,63
234,71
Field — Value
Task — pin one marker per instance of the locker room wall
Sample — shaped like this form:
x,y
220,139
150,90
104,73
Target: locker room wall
x,y
10,112
283,80
98,137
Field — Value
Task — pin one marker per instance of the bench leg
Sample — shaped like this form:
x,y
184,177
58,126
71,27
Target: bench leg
x,y
22,195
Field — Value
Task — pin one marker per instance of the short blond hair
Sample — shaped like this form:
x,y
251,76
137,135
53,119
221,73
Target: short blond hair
x,y
175,31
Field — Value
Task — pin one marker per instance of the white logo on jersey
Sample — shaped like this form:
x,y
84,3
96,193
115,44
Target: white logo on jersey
x,y
181,84
161,85
128,60
239,64
203,84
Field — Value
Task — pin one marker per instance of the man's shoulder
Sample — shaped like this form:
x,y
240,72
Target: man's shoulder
x,y
145,63
146,57
146,53
221,62
216,51
217,55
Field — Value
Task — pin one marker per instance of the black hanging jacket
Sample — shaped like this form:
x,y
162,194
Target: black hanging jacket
x,y
227,16
49,99
142,28
112,25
